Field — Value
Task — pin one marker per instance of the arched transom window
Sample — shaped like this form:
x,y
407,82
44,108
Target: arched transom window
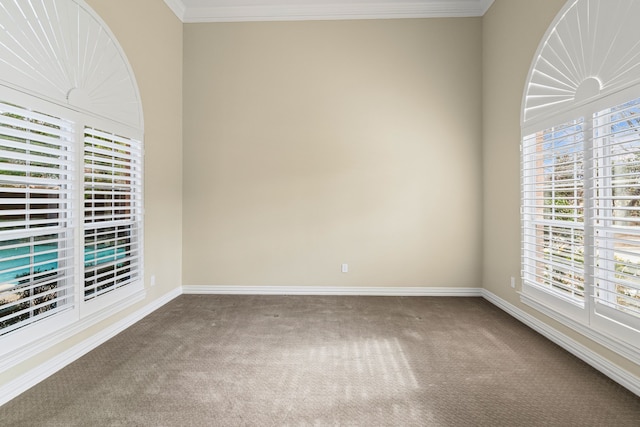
x,y
581,173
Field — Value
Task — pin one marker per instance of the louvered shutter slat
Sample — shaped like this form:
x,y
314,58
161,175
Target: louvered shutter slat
x,y
36,244
616,211
553,209
112,211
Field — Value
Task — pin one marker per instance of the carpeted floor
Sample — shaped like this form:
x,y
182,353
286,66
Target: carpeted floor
x,y
326,360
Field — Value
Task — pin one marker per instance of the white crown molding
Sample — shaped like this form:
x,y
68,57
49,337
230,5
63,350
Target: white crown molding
x,y
333,11
485,5
177,7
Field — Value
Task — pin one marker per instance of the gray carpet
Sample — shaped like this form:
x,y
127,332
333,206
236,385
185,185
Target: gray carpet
x,y
318,361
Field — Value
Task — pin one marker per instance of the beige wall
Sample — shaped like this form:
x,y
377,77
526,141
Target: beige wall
x,y
311,144
151,37
512,30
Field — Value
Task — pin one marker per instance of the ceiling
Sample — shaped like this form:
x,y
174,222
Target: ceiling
x,y
297,10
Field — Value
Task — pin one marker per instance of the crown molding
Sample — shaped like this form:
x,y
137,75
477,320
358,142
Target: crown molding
x,y
334,11
177,7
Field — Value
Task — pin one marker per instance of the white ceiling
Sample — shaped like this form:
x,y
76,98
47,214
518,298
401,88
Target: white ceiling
x,y
293,10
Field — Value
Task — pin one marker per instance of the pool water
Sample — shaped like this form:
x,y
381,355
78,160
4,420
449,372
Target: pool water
x,y
45,256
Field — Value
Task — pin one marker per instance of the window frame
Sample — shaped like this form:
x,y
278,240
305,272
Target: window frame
x,y
80,314
37,192
597,323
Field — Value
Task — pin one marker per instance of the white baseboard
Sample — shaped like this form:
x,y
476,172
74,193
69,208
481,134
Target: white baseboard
x,y
328,290
617,374
13,388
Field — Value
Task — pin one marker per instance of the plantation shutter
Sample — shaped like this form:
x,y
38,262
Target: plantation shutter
x,y
616,212
112,211
36,244
553,210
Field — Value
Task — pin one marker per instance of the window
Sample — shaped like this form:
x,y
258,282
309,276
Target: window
x,y
581,174
40,156
36,239
553,202
616,212
112,211
581,212
71,175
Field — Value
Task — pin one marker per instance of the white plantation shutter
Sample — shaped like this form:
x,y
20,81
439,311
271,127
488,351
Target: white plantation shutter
x,y
112,211
553,210
36,192
581,219
616,212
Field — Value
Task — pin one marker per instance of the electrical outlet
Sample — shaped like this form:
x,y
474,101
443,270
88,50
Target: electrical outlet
x,y
513,282
153,280
345,268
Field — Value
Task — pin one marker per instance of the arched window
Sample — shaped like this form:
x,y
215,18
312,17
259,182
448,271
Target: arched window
x,y
581,173
71,174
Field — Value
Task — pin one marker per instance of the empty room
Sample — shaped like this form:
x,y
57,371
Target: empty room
x,y
292,213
